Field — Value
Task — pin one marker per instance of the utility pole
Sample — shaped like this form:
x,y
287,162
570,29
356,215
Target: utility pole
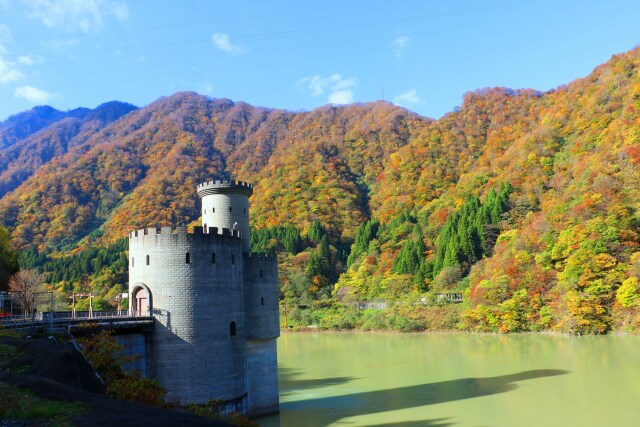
x,y
73,303
119,298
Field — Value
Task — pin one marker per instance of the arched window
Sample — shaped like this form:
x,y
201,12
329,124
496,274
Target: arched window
x,y
232,329
188,258
229,208
147,259
213,258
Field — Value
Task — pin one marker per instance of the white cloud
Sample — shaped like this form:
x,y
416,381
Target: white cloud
x,y
207,88
222,42
400,44
29,60
83,15
408,99
8,72
120,11
5,36
341,97
340,89
32,94
5,33
316,84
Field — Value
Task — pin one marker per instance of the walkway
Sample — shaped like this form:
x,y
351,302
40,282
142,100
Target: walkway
x,y
78,321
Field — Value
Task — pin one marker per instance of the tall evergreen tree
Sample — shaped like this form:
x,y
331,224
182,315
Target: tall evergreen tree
x,y
469,233
316,231
365,233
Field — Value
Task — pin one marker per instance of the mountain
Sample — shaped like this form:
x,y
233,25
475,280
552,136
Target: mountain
x,y
524,202
143,168
33,138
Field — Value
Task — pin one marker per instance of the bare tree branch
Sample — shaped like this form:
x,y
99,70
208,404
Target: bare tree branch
x,y
24,285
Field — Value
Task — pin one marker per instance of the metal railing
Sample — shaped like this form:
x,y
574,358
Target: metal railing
x,y
67,317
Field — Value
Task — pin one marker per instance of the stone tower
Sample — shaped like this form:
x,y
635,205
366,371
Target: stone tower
x,y
215,305
225,204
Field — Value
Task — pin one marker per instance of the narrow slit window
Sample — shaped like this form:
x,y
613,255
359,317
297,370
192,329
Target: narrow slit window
x,y
232,329
261,300
213,258
261,274
213,210
230,209
188,258
132,262
206,229
233,259
244,210
147,259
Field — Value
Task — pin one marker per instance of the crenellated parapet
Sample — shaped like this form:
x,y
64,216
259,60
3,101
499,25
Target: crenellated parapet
x,y
263,255
184,231
225,187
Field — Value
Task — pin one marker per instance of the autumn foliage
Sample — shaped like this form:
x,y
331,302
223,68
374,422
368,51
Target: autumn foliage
x,y
398,199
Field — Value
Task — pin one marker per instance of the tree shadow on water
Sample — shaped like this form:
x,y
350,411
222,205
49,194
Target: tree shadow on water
x,y
327,410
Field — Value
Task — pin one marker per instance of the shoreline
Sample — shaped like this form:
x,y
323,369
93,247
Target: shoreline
x,y
308,330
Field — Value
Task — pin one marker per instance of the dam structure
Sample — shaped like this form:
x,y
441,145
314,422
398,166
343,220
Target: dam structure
x,y
213,303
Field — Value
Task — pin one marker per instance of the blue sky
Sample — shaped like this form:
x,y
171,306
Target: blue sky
x,y
420,54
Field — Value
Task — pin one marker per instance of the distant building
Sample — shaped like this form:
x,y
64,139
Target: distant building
x,y
215,305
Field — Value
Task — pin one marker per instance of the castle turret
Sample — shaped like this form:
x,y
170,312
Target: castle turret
x,y
225,204
215,305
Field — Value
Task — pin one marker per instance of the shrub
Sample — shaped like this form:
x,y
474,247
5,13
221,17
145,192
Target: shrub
x,y
372,320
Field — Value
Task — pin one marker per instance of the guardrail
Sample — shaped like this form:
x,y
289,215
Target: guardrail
x,y
57,319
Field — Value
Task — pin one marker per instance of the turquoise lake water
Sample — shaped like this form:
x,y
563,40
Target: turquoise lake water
x,y
375,379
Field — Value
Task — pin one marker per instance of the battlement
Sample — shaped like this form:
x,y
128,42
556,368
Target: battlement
x,y
183,230
262,255
225,187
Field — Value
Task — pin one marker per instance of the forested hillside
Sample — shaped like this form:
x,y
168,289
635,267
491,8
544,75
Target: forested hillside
x,y
527,203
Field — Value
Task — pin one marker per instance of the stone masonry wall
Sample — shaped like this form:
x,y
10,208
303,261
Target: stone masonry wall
x,y
262,376
225,203
262,319
215,309
194,355
262,323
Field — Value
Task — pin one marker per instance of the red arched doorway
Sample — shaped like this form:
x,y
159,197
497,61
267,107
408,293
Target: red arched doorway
x,y
140,301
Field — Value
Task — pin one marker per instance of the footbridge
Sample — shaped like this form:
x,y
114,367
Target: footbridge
x,y
118,321
133,332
